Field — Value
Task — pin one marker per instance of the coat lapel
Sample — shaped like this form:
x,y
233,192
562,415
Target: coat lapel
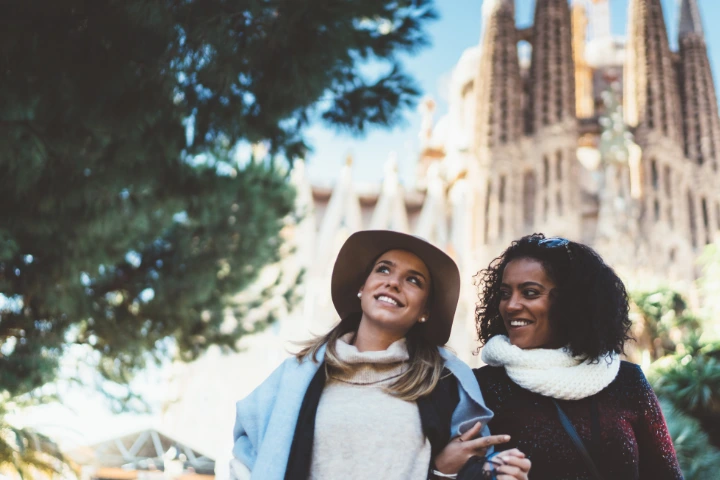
x,y
272,453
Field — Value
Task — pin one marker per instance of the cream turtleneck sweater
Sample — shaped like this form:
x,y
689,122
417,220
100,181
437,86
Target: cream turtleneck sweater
x,y
363,432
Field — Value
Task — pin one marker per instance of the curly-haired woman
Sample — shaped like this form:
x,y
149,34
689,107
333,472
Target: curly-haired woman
x,y
553,318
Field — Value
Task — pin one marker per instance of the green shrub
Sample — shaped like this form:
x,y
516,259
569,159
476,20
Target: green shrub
x,y
698,458
691,381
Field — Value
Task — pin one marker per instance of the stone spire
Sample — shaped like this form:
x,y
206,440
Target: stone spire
x,y
690,22
701,125
498,79
390,213
650,94
552,73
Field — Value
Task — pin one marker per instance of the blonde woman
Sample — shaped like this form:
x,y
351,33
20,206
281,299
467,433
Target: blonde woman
x,y
376,397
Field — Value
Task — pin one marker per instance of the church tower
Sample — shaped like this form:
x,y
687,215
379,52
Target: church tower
x,y
701,126
498,127
550,187
652,108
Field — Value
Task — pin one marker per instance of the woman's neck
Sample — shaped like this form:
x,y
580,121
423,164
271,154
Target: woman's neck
x,y
372,339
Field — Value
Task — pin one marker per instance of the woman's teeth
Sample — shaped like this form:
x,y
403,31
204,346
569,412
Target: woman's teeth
x,y
519,323
389,300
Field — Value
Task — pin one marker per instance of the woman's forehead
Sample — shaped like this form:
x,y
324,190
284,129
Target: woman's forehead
x,y
404,259
520,270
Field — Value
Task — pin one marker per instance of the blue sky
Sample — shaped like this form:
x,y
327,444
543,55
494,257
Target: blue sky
x,y
457,29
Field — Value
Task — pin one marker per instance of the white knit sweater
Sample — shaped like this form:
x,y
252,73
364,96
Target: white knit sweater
x,y
363,432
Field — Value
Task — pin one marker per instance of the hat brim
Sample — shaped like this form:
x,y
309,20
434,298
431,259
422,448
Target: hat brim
x,y
363,247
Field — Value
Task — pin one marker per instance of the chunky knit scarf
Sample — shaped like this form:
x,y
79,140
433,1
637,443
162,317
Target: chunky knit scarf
x,y
551,373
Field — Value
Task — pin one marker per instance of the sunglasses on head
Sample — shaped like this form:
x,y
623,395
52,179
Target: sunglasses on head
x,y
554,242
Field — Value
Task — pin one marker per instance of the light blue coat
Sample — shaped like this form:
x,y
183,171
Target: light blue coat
x,y
266,419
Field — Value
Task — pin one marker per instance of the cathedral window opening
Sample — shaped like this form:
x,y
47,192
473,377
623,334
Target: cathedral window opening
x,y
558,106
706,221
692,222
529,192
654,175
672,255
668,181
546,170
559,165
656,209
504,119
559,203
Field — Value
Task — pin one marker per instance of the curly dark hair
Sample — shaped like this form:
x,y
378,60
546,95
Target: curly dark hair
x,y
589,305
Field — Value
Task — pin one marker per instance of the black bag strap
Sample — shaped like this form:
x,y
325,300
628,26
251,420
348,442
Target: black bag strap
x,y
578,442
595,425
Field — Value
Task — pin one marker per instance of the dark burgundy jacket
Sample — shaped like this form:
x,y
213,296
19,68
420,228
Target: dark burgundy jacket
x,y
633,441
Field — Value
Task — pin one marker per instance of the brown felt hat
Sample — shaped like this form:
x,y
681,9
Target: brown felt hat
x,y
364,247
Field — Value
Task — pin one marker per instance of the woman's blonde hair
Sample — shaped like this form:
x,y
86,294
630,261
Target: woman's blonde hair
x,y
425,363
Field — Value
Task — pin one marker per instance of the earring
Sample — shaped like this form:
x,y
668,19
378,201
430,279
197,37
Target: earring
x,y
423,319
359,294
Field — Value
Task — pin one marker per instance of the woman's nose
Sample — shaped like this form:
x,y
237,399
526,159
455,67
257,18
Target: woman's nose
x,y
514,304
392,282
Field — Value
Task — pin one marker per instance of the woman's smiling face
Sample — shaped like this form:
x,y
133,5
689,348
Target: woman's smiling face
x,y
395,294
525,304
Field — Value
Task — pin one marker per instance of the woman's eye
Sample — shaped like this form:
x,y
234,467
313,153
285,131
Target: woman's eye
x,y
504,294
382,269
415,280
530,293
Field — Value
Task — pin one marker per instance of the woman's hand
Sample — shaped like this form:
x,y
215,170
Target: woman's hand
x,y
511,465
461,448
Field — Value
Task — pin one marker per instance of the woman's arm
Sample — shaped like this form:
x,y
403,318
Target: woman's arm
x,y
510,465
469,415
656,453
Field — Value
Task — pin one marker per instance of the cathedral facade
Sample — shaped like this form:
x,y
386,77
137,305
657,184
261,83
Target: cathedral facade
x,y
558,128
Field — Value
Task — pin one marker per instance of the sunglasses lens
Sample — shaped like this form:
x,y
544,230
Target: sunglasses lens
x,y
553,242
